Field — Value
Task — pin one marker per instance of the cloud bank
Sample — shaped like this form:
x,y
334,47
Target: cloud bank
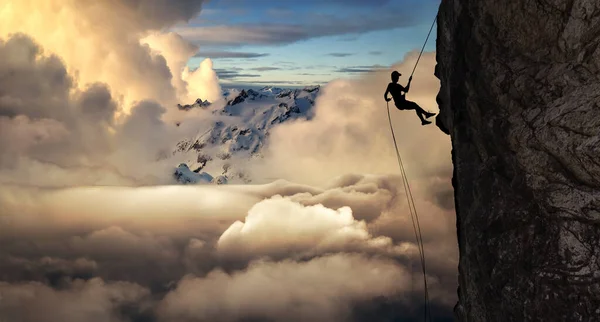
x,y
318,290
91,230
161,253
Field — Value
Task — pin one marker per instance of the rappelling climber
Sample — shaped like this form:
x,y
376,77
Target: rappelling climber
x,y
400,101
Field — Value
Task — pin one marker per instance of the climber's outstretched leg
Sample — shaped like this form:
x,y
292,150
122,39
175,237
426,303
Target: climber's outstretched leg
x,y
408,105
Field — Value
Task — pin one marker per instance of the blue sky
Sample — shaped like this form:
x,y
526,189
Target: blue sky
x,y
298,43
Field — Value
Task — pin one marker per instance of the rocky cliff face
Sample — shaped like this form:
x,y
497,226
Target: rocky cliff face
x,y
520,98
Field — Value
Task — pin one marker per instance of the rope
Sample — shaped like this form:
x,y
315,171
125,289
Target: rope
x,y
408,191
426,39
413,216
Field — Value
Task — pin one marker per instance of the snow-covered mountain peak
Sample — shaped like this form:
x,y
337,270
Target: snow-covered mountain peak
x,y
238,132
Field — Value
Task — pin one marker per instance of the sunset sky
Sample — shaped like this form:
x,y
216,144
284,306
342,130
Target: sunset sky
x,y
95,226
307,42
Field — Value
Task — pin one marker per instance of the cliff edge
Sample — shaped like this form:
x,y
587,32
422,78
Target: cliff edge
x,y
520,98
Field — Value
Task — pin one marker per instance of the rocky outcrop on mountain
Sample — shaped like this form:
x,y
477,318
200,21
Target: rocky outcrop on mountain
x,y
249,95
288,111
289,93
520,98
199,103
239,98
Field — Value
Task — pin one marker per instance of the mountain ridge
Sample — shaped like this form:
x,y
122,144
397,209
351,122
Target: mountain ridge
x,y
240,131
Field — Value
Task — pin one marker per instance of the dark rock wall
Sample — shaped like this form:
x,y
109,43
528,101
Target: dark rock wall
x,y
520,98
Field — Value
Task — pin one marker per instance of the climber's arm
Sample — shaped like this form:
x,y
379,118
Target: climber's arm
x,y
387,90
408,85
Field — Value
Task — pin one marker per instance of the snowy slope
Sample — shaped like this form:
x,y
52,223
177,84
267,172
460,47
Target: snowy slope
x,y
238,132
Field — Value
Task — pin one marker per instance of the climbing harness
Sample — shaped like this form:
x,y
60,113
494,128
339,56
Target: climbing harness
x,y
411,203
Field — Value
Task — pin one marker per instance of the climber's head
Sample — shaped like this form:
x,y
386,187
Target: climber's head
x,y
395,76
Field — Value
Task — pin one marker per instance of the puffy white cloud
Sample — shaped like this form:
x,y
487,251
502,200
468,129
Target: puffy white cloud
x,y
279,227
201,82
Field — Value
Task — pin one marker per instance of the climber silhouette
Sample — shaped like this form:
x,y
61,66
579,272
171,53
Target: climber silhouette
x,y
400,101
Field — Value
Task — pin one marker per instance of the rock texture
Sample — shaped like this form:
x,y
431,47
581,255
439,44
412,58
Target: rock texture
x,y
520,98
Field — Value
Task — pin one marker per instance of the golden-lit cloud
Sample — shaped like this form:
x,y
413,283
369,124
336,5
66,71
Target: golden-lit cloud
x,y
201,82
91,227
280,228
101,41
90,90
